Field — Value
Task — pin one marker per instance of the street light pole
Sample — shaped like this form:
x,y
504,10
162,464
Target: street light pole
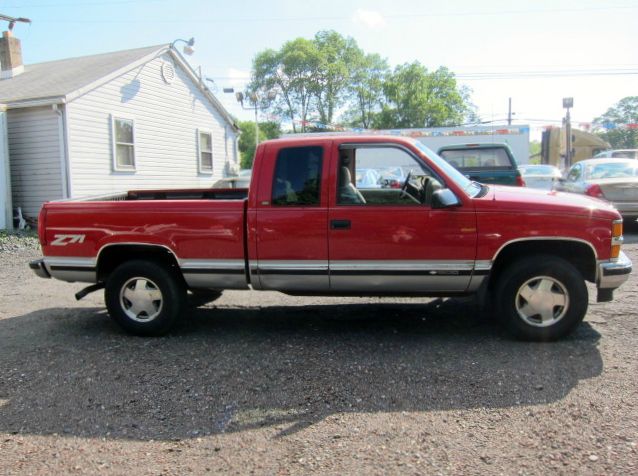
x,y
567,104
255,100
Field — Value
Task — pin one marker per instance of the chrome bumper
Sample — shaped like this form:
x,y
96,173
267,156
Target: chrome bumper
x,y
612,274
39,269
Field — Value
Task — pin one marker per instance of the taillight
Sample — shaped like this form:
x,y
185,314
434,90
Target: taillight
x,y
595,191
41,219
520,182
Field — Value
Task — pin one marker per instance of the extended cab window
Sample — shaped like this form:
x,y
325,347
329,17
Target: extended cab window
x,y
382,175
297,176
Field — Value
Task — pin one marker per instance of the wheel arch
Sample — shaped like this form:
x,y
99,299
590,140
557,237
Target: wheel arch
x,y
580,253
113,255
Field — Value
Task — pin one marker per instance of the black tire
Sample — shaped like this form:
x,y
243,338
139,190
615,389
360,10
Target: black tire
x,y
199,297
554,287
154,317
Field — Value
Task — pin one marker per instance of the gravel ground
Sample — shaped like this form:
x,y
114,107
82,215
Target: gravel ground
x,y
261,383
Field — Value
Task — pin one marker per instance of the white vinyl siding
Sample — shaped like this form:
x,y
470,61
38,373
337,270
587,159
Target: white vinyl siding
x,y
205,151
35,158
167,117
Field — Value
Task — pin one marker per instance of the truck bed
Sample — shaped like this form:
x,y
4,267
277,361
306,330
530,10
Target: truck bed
x,y
203,229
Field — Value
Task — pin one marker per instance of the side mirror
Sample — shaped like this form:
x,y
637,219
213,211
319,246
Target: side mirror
x,y
445,198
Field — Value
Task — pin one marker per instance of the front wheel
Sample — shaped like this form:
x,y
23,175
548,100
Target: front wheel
x,y
144,298
541,298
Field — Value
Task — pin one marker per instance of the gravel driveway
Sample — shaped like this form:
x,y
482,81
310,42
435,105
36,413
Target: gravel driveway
x,y
261,383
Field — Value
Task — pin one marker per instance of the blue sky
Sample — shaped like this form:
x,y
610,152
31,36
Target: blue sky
x,y
509,40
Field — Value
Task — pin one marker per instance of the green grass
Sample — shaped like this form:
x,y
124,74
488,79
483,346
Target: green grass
x,y
4,234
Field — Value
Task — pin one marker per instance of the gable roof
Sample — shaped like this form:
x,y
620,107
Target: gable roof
x,y
62,80
61,77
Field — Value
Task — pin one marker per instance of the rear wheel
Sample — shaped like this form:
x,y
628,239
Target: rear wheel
x,y
541,298
144,298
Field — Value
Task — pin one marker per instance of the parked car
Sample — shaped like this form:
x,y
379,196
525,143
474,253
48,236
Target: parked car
x,y
617,154
484,163
545,177
614,180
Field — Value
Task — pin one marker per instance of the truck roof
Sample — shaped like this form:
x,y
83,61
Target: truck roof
x,y
302,138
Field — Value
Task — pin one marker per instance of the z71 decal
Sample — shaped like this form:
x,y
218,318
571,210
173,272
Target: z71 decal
x,y
63,240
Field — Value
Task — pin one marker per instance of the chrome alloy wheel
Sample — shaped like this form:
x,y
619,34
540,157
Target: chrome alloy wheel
x,y
141,299
542,301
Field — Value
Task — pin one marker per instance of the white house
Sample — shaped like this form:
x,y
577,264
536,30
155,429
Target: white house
x,y
134,119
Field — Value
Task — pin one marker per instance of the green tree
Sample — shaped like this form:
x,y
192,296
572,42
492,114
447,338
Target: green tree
x,y
337,55
267,130
534,152
291,72
415,97
615,122
366,89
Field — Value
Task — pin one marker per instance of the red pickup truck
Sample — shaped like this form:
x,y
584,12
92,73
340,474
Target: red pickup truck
x,y
305,228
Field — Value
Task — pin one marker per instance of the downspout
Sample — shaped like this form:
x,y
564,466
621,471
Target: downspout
x,y
63,144
6,170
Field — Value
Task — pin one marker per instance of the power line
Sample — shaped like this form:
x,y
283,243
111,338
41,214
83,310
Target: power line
x,y
544,74
508,74
80,5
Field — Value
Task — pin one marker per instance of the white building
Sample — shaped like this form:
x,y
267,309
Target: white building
x,y
134,119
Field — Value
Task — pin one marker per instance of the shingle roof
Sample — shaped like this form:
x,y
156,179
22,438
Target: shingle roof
x,y
61,77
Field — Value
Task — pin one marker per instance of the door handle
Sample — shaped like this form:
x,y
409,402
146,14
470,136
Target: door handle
x,y
340,224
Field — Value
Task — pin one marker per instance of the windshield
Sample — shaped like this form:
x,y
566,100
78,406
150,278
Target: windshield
x,y
472,189
612,170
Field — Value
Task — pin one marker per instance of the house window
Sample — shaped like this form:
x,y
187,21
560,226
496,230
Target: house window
x,y
123,144
205,143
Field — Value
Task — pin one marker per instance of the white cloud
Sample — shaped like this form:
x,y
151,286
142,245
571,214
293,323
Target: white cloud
x,y
368,18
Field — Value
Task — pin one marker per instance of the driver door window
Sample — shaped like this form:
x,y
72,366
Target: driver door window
x,y
383,176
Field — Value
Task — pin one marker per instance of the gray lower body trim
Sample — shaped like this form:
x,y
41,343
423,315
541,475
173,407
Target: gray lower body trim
x,y
215,274
384,276
401,275
71,269
302,275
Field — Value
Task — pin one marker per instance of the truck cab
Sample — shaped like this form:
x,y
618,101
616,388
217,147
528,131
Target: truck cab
x,y
348,239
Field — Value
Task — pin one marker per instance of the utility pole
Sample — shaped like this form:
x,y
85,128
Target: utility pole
x,y
567,104
509,112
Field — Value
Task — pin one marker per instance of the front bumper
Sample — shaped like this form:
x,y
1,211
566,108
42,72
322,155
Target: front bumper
x,y
611,274
39,269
